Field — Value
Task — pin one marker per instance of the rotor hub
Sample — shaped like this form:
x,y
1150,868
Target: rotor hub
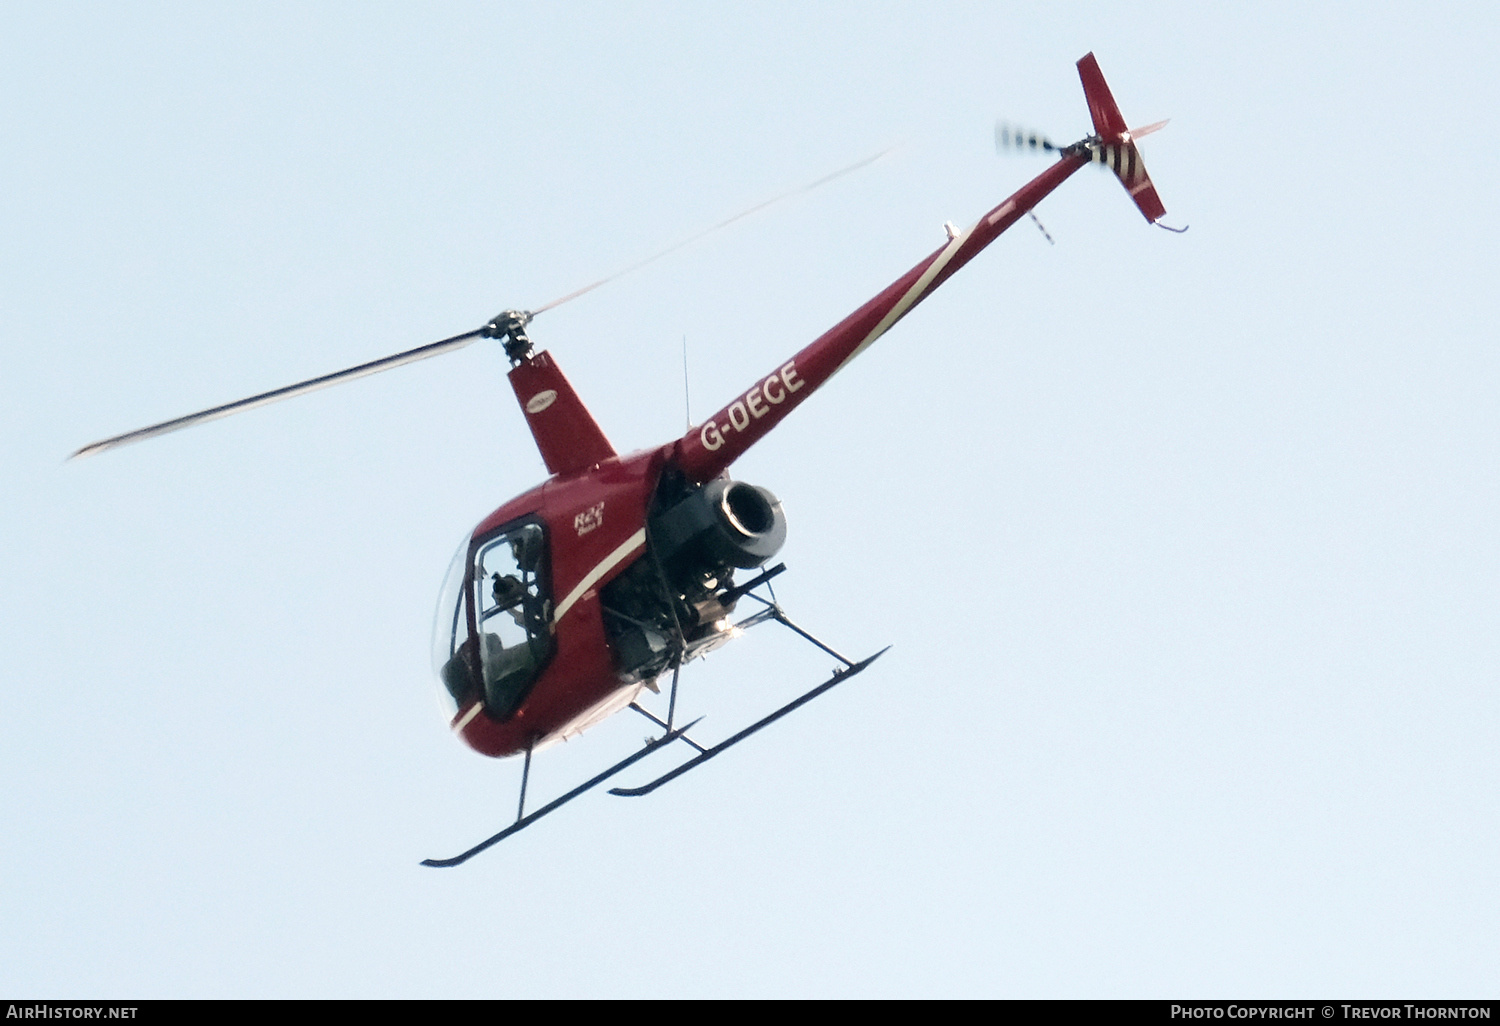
x,y
510,328
1085,147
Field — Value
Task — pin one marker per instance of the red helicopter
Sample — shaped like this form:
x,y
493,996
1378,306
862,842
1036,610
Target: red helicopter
x,y
569,600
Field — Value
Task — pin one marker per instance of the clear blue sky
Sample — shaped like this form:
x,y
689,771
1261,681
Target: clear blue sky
x,y
1187,545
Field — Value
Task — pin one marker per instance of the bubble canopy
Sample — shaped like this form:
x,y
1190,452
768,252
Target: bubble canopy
x,y
492,632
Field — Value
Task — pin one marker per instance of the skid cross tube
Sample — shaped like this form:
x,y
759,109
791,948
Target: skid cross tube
x,y
526,821
525,776
672,701
663,724
838,677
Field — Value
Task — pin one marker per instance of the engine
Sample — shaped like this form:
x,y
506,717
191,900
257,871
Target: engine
x,y
696,539
724,524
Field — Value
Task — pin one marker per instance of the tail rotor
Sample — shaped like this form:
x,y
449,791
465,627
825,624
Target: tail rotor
x,y
1113,144
1009,138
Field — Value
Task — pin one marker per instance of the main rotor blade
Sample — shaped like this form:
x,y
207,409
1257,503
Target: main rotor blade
x,y
713,228
447,345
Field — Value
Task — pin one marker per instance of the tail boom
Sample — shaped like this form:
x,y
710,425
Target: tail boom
x,y
707,450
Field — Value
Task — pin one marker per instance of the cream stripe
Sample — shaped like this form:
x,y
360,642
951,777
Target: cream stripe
x,y
473,712
912,295
591,578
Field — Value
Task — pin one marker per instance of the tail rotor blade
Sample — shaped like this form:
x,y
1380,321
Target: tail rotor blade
x,y
1009,137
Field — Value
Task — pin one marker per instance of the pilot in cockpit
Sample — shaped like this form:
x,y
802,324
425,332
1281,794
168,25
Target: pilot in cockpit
x,y
509,593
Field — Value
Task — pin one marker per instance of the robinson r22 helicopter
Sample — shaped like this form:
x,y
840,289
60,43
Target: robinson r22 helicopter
x,y
566,602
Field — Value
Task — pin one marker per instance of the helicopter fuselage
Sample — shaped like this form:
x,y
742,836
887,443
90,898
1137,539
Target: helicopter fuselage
x,y
637,558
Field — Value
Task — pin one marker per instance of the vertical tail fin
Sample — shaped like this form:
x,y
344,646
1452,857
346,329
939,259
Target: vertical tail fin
x,y
1117,149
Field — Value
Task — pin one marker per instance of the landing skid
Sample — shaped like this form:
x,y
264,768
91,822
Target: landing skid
x,y
772,611
525,821
704,754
